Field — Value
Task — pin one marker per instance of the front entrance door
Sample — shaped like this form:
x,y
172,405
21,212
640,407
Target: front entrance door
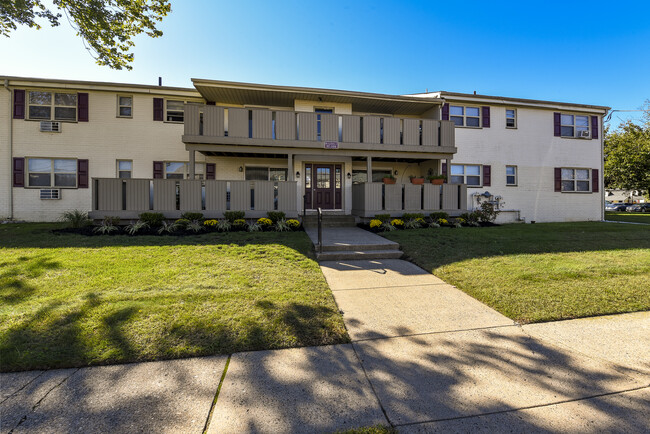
x,y
323,186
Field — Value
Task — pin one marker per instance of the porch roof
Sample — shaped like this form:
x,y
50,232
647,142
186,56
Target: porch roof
x,y
229,92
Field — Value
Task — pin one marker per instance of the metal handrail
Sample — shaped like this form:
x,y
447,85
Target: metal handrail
x,y
320,230
304,207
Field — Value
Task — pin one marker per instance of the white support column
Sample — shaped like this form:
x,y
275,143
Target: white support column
x,y
192,163
369,169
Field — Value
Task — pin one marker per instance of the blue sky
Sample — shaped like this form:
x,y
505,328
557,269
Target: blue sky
x,y
584,52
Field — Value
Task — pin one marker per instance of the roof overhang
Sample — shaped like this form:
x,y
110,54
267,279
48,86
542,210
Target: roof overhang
x,y
228,92
521,102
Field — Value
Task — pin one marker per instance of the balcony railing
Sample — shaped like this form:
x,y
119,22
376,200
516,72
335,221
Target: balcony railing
x,y
208,124
127,198
371,198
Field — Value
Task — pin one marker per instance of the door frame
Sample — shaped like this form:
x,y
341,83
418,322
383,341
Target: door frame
x,y
337,174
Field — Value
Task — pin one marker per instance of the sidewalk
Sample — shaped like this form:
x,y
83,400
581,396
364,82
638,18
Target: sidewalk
x,y
425,357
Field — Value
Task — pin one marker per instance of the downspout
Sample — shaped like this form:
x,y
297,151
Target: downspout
x,y
11,153
602,167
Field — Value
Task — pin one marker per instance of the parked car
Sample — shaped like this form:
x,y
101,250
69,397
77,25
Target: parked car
x,y
616,207
639,207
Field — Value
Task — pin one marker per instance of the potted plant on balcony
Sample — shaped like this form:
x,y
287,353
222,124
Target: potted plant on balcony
x,y
389,179
437,179
416,180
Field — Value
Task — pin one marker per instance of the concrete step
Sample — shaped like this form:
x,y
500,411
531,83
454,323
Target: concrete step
x,y
347,255
331,221
359,247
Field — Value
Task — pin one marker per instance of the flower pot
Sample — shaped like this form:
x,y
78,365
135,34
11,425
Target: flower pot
x,y
417,181
389,180
437,181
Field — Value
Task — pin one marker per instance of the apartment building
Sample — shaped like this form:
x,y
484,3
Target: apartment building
x,y
122,149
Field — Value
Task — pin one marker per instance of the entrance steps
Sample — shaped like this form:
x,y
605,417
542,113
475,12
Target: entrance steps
x,y
330,221
352,243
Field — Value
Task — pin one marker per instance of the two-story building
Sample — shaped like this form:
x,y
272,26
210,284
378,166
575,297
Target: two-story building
x,y
122,149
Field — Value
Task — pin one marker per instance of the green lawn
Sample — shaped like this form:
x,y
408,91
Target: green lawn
x,y
540,272
71,300
634,217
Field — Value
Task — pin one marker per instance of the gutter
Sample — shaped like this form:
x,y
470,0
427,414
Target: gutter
x,y
11,153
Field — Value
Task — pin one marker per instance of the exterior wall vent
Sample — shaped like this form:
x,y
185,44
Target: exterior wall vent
x,y
50,127
50,193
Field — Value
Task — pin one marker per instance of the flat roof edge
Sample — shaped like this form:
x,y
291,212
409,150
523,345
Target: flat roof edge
x,y
96,83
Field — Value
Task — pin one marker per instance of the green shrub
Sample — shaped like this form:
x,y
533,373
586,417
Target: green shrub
x,y
153,219
231,216
382,217
113,220
412,216
282,226
192,216
276,216
76,218
195,226
435,216
182,223
106,226
168,227
487,214
136,227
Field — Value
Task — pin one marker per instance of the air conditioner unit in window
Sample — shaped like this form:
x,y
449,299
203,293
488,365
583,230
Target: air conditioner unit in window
x,y
583,134
50,127
50,193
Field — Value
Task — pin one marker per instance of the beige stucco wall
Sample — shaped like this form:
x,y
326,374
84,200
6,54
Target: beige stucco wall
x,y
5,158
535,151
102,140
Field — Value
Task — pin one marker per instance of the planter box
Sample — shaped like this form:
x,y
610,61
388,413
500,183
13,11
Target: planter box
x,y
417,181
389,180
437,181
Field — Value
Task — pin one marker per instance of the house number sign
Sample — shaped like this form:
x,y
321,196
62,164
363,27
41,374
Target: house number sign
x,y
331,145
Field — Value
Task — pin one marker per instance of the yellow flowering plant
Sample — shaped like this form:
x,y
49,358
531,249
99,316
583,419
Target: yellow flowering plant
x,y
239,222
210,223
443,222
397,222
375,223
264,221
293,223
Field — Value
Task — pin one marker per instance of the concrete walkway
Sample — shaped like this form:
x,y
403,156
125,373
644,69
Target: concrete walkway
x,y
425,357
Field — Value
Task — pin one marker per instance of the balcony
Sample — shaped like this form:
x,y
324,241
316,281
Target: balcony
x,y
208,124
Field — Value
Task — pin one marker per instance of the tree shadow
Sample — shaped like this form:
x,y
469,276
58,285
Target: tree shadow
x,y
16,274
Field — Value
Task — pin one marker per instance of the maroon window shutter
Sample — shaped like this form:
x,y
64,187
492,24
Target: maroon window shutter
x,y
158,170
558,179
82,173
444,171
594,127
486,116
445,112
210,170
19,172
158,109
595,181
487,176
557,127
82,108
19,104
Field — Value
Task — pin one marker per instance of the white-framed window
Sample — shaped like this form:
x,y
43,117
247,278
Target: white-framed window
x,y
181,170
174,110
256,173
463,116
52,172
125,106
573,125
511,175
576,180
361,175
469,174
511,118
124,169
46,106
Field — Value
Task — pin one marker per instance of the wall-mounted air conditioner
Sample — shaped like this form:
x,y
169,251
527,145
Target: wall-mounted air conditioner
x,y
583,134
50,127
50,193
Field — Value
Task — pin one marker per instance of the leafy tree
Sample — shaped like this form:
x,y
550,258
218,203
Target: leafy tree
x,y
627,155
107,27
